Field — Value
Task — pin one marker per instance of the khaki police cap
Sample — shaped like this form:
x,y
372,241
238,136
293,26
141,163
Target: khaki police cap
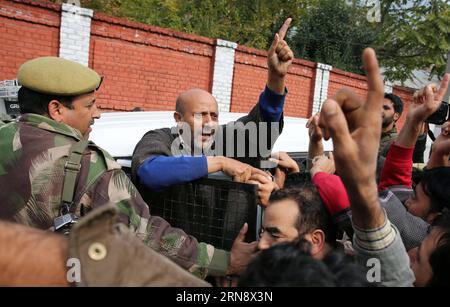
x,y
56,76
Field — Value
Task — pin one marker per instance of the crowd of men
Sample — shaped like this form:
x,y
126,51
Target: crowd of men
x,y
63,198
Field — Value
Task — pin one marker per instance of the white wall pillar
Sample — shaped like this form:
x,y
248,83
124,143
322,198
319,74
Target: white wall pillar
x,y
321,86
75,33
223,74
388,87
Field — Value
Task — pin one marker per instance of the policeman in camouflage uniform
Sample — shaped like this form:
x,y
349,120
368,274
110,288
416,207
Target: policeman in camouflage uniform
x,y
57,101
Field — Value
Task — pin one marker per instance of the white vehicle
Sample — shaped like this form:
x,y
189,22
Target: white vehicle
x,y
119,132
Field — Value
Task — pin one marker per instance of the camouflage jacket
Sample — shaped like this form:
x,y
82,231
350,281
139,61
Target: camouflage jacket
x,y
33,152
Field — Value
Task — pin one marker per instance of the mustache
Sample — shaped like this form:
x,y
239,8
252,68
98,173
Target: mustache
x,y
207,130
211,130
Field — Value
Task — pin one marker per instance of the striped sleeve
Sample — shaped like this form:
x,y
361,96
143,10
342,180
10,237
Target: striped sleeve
x,y
375,239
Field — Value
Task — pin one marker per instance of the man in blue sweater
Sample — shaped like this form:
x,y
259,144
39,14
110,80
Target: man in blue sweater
x,y
198,146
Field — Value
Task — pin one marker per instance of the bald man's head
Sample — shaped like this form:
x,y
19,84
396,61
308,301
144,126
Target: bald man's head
x,y
192,96
198,104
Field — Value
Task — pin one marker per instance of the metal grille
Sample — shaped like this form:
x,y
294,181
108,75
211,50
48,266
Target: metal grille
x,y
211,210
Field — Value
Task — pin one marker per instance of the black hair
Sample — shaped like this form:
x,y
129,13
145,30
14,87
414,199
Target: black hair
x,y
440,257
435,183
37,103
297,179
291,265
396,101
416,176
312,212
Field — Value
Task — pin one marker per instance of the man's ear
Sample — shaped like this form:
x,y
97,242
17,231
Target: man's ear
x,y
396,117
317,239
56,111
177,116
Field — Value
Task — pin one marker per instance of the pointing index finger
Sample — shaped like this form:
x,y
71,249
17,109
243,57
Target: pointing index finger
x,y
374,82
284,28
443,88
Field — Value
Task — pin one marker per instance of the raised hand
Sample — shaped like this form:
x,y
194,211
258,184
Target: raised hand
x,y
323,164
425,103
315,132
285,165
285,162
315,147
428,100
355,127
265,187
279,59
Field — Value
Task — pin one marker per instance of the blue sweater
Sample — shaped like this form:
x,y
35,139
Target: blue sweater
x,y
160,172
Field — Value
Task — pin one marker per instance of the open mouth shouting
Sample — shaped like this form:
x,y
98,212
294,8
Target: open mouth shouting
x,y
208,134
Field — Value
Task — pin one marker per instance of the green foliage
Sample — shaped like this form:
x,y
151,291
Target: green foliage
x,y
249,22
334,33
412,34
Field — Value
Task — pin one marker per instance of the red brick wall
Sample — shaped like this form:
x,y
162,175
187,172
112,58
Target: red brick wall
x,y
28,29
250,78
300,83
340,79
146,66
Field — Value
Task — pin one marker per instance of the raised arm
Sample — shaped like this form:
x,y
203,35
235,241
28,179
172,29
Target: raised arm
x,y
425,103
397,168
270,106
354,126
315,148
279,60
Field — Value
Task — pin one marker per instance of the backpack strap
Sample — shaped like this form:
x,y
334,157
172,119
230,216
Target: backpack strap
x,y
71,170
